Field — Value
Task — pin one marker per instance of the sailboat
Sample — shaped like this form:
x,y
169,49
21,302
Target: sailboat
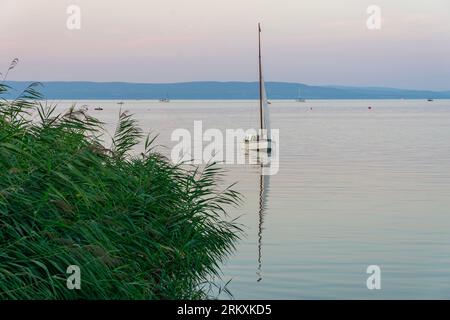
x,y
261,142
166,99
299,97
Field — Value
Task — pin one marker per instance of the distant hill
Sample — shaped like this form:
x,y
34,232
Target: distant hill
x,y
217,90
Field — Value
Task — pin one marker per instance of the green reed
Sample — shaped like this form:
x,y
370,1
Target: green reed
x,y
139,227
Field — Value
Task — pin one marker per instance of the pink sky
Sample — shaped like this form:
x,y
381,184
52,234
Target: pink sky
x,y
314,42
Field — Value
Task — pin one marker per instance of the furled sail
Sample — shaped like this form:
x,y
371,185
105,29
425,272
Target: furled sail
x,y
265,112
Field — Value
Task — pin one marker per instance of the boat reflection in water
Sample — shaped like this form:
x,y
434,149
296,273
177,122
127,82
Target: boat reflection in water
x,y
262,160
263,198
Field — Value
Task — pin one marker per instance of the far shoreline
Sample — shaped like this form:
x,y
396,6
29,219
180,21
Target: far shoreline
x,y
213,90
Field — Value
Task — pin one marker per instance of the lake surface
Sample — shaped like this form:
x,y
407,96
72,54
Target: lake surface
x,y
356,187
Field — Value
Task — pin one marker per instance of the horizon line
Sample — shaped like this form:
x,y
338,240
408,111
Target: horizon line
x,y
340,86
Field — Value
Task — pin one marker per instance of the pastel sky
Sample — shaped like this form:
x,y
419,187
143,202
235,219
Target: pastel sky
x,y
310,41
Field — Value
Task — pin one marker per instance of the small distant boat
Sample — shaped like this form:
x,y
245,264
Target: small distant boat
x,y
430,100
165,100
299,97
98,108
261,142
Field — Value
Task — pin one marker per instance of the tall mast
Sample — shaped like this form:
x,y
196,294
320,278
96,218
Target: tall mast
x,y
260,80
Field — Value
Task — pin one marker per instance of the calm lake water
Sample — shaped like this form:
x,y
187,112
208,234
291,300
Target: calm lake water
x,y
356,187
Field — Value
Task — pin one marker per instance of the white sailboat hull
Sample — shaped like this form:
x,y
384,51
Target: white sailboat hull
x,y
262,145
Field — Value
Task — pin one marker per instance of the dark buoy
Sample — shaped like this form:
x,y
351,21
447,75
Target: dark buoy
x,y
370,108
